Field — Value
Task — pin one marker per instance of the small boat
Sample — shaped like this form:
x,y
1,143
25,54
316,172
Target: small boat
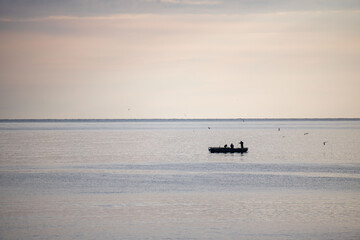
x,y
227,150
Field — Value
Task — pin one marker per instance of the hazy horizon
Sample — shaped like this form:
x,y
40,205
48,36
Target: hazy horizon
x,y
168,119
179,59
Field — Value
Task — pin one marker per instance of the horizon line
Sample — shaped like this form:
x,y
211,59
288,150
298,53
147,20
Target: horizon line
x,y
168,119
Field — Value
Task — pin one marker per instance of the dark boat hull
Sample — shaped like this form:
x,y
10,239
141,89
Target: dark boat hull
x,y
227,150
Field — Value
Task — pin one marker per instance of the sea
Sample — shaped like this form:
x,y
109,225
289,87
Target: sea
x,y
156,179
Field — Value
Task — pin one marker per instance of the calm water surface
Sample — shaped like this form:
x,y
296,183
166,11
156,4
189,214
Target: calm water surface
x,y
157,180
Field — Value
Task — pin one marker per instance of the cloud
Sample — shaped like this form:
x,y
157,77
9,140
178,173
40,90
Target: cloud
x,y
40,8
192,2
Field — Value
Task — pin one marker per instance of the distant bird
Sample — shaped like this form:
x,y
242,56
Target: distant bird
x,y
324,143
209,127
306,133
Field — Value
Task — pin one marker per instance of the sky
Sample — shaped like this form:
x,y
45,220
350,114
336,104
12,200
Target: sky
x,y
69,59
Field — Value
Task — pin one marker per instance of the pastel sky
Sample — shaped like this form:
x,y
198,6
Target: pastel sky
x,y
179,59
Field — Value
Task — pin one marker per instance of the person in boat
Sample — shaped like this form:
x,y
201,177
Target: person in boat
x,y
241,144
231,145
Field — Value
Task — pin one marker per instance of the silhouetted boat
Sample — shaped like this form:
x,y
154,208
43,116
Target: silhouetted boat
x,y
227,150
